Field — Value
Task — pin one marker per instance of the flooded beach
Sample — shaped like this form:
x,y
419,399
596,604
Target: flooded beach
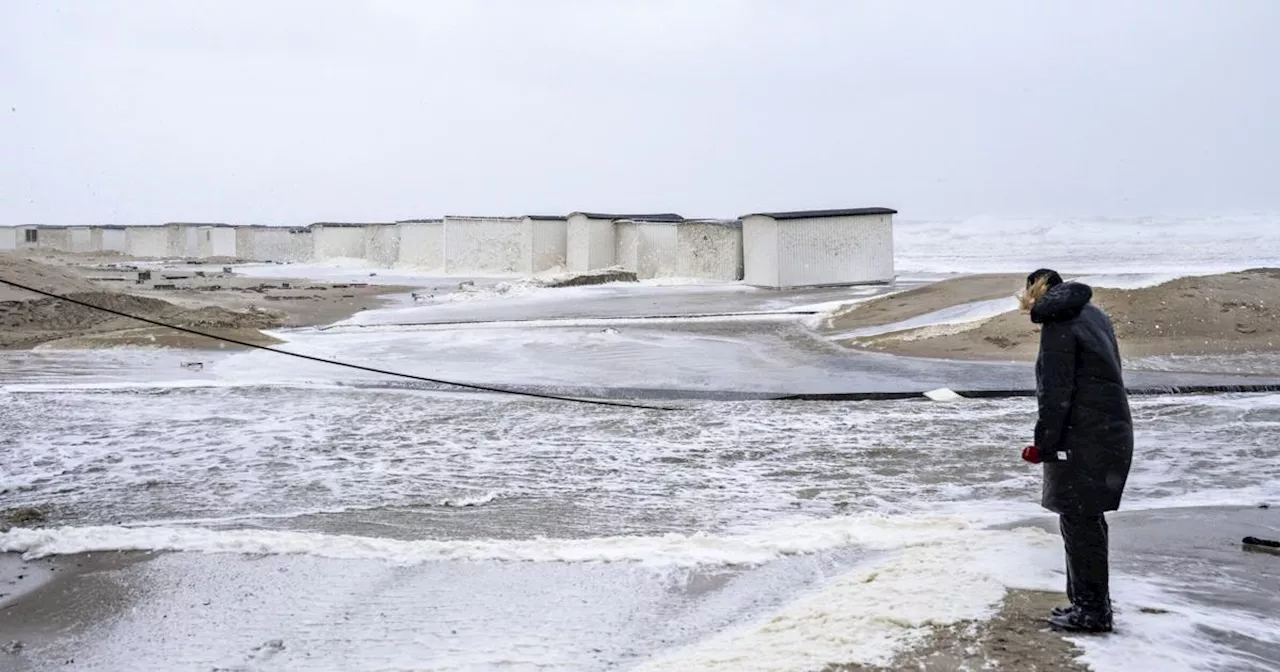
x,y
255,513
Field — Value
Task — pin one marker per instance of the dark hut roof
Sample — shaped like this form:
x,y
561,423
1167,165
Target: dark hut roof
x,y
656,217
814,214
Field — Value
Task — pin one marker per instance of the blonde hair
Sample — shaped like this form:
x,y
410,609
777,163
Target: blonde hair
x,y
1031,294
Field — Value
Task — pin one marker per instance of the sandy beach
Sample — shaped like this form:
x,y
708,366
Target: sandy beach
x,y
1227,314
204,298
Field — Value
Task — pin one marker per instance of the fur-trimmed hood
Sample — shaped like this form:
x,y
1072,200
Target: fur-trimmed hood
x,y
1062,303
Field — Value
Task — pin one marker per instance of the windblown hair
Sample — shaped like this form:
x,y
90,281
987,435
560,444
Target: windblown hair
x,y
1031,294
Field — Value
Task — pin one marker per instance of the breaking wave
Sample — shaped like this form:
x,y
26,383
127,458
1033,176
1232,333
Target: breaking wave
x,y
872,531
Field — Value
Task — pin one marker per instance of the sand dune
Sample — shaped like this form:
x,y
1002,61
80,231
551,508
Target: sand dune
x,y
905,305
225,305
1228,314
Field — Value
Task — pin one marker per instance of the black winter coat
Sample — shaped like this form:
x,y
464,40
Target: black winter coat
x,y
1083,405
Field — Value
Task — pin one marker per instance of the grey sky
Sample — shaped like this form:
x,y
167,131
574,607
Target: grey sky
x,y
292,111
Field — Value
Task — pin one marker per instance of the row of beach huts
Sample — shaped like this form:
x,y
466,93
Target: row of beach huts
x,y
778,249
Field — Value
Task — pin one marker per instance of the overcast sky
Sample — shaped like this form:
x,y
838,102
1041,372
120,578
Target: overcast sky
x,y
292,111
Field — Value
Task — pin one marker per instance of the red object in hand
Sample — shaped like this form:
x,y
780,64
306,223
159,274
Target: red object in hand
x,y
1031,454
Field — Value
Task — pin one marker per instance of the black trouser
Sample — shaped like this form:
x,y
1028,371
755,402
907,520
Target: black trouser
x,y
1085,538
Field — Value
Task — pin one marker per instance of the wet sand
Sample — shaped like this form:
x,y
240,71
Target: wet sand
x,y
162,337
56,597
298,302
202,298
1172,544
20,577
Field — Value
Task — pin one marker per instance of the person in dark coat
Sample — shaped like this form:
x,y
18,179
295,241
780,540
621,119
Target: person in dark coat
x,y
1083,437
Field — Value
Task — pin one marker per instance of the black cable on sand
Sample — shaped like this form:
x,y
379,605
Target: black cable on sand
x,y
665,394
1170,390
437,381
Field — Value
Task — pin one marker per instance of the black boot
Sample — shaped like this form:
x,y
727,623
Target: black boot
x,y
1080,621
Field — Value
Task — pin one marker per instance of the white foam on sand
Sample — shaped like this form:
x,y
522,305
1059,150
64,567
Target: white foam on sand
x,y
880,609
883,608
867,614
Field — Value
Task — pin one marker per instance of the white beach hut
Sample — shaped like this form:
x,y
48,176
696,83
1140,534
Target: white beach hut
x,y
25,236
146,241
708,249
337,240
215,241
8,238
273,243
546,244
382,244
591,241
42,237
81,240
183,239
110,238
648,248
480,245
421,244
504,245
818,247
